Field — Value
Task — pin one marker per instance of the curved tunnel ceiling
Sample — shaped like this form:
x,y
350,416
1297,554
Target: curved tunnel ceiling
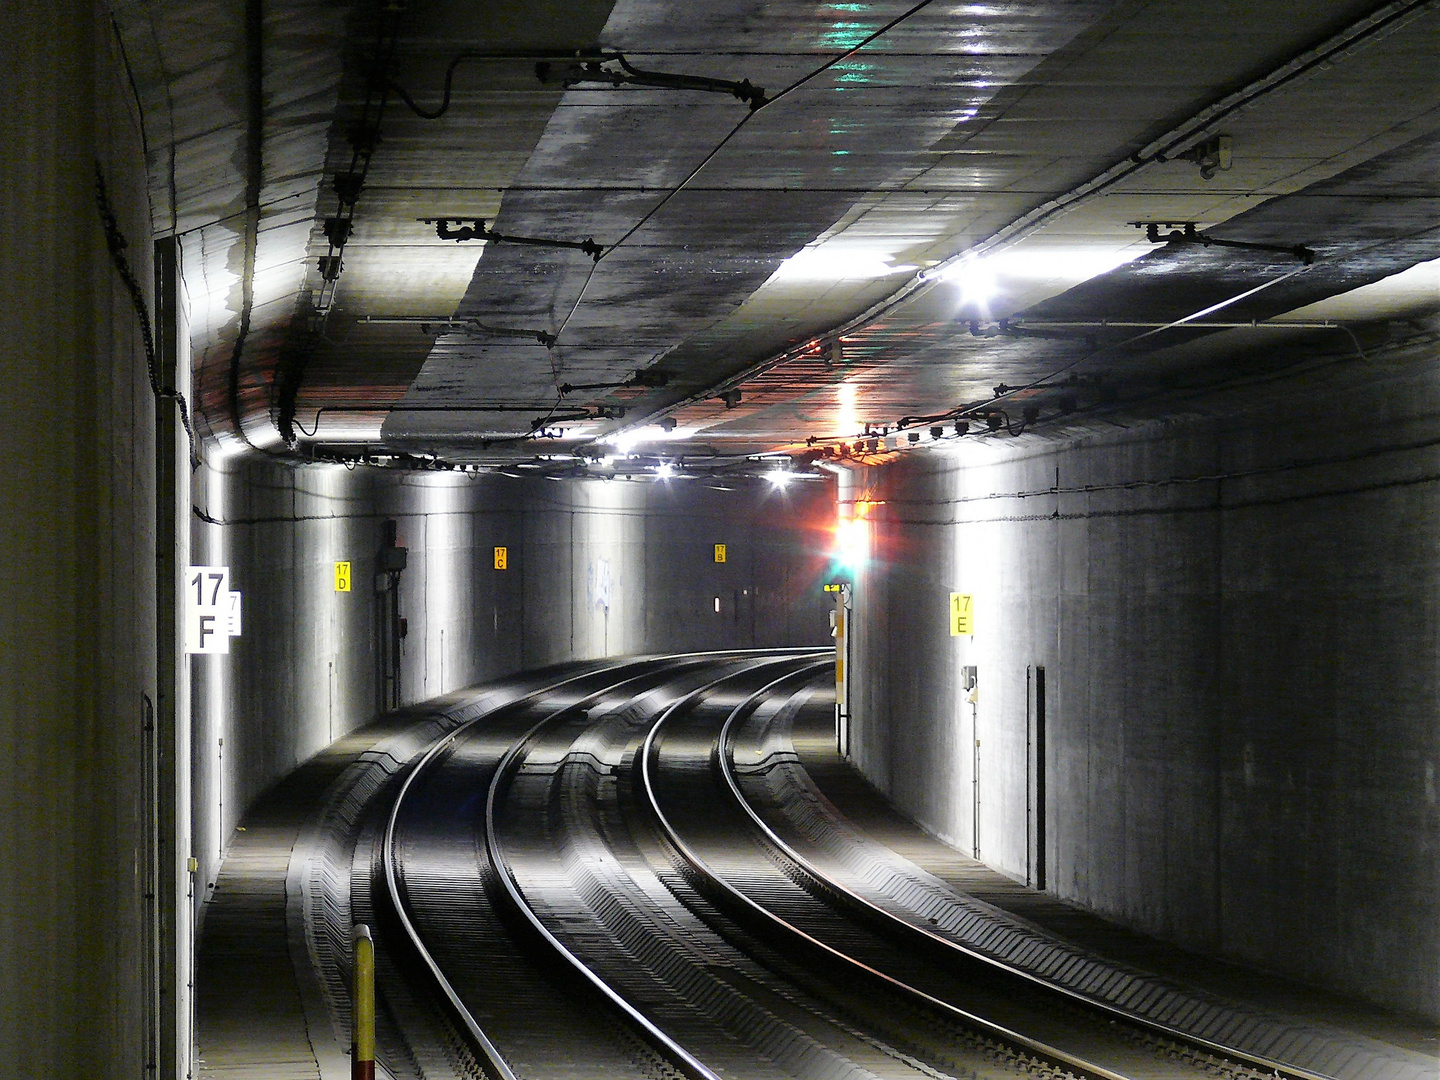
x,y
793,277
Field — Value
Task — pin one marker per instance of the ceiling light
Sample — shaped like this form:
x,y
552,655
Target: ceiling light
x,y
626,441
779,477
835,262
852,543
664,471
1045,263
975,278
1019,271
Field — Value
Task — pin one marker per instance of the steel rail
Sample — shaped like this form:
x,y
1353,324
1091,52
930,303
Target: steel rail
x,y
1055,1055
807,870
388,859
689,1063
399,904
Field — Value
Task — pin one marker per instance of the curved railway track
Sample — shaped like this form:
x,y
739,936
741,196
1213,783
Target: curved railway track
x,y
582,875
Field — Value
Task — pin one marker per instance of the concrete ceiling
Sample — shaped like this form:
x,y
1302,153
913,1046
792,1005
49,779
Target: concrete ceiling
x,y
928,220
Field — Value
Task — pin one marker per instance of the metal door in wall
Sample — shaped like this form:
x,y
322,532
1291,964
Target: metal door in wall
x,y
1035,777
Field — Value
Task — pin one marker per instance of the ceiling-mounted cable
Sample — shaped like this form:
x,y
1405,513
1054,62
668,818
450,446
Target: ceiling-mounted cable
x,y
363,136
1003,392
254,181
452,324
115,244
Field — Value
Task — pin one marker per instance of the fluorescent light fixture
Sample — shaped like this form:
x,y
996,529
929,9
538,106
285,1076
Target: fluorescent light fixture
x,y
984,275
836,261
976,278
847,420
626,441
1063,263
622,441
1023,275
334,426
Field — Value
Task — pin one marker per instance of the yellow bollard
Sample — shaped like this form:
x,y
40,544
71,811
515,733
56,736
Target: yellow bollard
x,y
362,1006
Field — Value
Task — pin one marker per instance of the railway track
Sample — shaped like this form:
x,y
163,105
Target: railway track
x,y
582,875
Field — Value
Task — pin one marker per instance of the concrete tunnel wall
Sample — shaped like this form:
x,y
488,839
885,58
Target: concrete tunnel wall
x,y
595,569
1242,694
77,559
1243,706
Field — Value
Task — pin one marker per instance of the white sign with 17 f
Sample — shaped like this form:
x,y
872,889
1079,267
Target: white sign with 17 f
x,y
211,616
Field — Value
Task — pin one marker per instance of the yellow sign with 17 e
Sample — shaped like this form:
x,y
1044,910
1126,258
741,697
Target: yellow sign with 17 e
x,y
962,614
342,577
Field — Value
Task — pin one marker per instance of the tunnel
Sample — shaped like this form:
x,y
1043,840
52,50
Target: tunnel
x,y
741,539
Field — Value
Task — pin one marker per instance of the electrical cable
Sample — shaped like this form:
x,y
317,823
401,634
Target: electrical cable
x,y
116,244
364,137
470,54
315,427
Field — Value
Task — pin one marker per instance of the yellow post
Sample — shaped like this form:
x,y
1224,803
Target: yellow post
x,y
362,1007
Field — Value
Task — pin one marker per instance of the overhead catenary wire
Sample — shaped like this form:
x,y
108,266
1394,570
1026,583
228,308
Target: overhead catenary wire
x,y
715,151
1194,316
1353,36
987,407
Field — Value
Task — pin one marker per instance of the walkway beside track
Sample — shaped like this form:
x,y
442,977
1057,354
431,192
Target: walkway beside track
x,y
249,1017
257,1017
865,809
253,1018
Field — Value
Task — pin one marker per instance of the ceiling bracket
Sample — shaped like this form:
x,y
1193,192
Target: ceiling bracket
x,y
1212,155
1188,232
462,229
456,324
649,379
592,69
